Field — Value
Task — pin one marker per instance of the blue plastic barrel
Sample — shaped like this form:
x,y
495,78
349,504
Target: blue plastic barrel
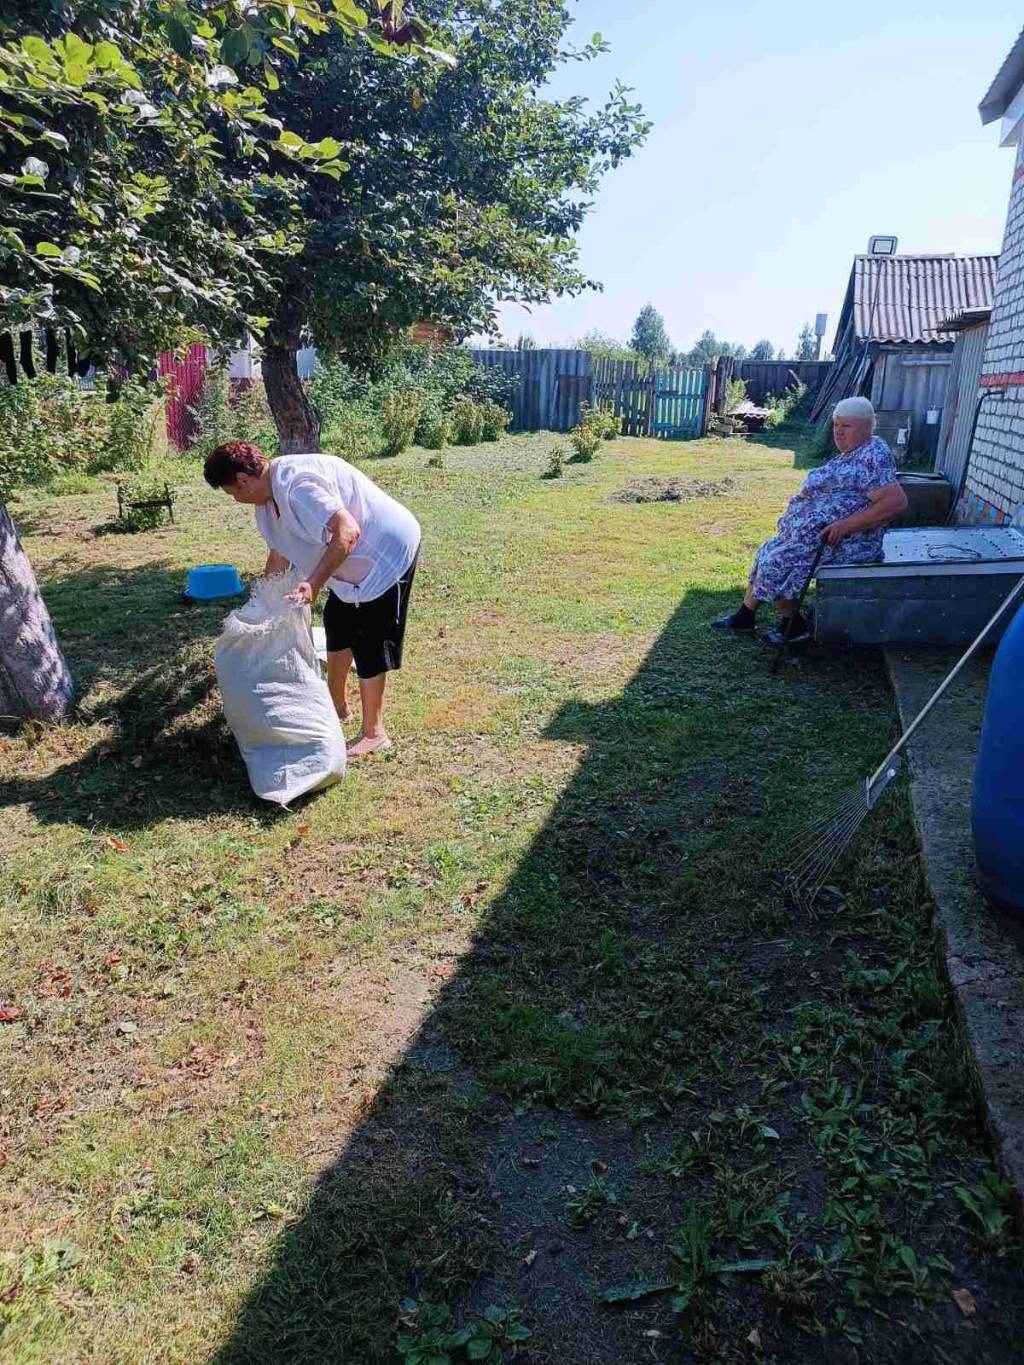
x,y
998,806
208,581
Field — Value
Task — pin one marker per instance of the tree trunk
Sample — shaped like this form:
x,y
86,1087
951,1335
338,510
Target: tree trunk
x,y
298,427
35,680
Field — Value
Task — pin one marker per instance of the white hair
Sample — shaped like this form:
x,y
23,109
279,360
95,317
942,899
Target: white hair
x,y
855,407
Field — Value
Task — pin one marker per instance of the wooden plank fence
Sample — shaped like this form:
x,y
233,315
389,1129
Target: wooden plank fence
x,y
669,402
666,402
553,384
763,377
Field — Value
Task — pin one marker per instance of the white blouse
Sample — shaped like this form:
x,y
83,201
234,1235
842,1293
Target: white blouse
x,y
308,490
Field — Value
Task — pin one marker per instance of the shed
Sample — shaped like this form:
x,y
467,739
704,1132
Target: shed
x,y
891,342
960,415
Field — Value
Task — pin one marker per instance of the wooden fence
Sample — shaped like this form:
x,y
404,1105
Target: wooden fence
x,y
186,375
552,386
669,401
763,377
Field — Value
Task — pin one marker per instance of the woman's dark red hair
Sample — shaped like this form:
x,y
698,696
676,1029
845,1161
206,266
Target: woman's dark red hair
x,y
225,462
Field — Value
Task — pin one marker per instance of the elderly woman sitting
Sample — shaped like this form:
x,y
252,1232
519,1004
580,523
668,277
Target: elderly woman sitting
x,y
847,502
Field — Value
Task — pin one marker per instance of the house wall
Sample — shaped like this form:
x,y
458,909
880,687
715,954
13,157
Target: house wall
x,y
995,475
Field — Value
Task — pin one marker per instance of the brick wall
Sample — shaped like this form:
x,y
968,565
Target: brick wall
x,y
995,475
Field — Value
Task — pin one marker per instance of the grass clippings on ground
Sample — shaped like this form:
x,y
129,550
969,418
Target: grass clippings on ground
x,y
509,1046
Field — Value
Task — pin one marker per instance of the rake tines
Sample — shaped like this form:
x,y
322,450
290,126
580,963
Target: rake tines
x,y
822,843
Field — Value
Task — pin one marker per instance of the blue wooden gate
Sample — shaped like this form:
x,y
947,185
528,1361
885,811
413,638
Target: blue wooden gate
x,y
678,403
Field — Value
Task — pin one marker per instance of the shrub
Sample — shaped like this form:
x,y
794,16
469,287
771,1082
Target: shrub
x,y
221,414
556,461
612,425
399,415
490,383
355,432
735,393
587,435
52,426
467,422
782,407
494,420
435,429
332,388
131,430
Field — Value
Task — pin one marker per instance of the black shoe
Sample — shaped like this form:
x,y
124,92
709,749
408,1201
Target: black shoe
x,y
800,635
737,627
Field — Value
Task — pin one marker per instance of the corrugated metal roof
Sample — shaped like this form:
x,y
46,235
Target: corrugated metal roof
x,y
1006,84
907,298
967,317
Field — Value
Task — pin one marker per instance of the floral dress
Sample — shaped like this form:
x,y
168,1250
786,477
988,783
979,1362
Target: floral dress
x,y
832,491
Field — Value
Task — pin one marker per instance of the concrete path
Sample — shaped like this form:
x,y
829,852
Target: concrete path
x,y
983,952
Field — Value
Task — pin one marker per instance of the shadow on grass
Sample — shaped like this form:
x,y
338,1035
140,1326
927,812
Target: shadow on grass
x,y
600,985
142,660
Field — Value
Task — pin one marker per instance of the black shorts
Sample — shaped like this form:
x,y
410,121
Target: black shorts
x,y
374,631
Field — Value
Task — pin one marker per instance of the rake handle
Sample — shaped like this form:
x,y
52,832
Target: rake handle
x,y
944,686
791,621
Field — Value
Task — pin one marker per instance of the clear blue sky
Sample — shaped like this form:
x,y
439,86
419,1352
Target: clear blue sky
x,y
785,134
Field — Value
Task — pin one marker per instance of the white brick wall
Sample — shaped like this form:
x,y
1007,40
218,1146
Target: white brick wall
x,y
996,469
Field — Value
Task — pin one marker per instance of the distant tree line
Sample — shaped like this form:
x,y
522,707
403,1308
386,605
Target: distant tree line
x,y
650,342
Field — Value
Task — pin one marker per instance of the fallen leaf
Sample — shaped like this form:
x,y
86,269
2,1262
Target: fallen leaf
x,y
531,1161
126,1026
137,761
8,1013
965,1301
302,829
530,1257
755,1339
111,960
118,844
190,1264
599,1167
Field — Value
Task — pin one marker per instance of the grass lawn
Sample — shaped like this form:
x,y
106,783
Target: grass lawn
x,y
516,1014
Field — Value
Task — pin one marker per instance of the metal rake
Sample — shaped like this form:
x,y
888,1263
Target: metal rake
x,y
822,843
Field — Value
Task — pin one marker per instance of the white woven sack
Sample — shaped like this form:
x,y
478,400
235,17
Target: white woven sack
x,y
275,699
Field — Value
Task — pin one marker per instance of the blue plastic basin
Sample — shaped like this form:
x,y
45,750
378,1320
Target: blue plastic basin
x,y
207,581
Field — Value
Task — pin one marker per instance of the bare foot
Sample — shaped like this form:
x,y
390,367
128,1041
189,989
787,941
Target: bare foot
x,y
363,745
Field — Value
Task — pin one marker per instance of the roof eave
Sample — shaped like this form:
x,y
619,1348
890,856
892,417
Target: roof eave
x,y
1009,79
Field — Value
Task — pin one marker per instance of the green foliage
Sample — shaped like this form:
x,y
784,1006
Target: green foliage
x,y
131,430
556,461
494,420
467,421
399,415
355,431
428,1337
595,425
221,414
807,346
115,116
735,393
132,519
650,336
435,428
51,426
332,387
604,347
783,407
764,350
